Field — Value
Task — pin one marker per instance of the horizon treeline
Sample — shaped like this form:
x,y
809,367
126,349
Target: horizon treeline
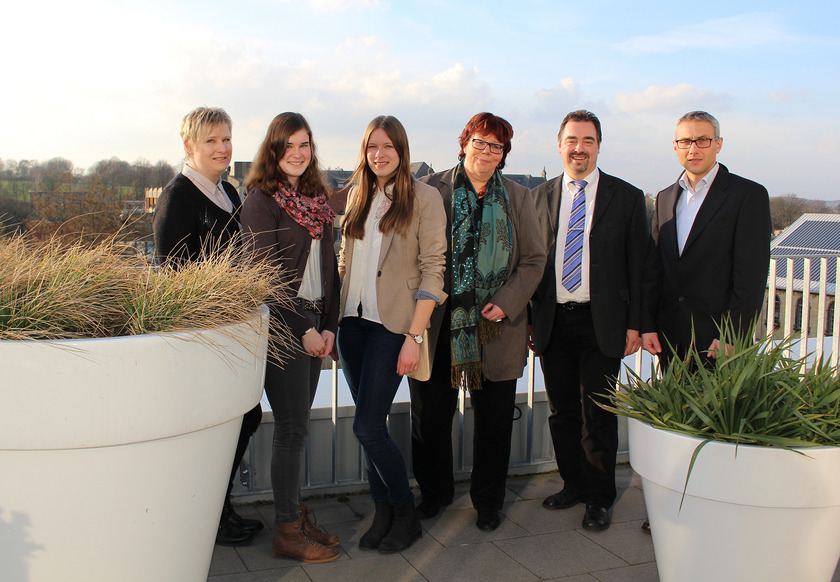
x,y
104,189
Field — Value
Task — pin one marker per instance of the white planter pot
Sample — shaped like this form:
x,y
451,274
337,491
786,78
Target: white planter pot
x,y
761,514
115,453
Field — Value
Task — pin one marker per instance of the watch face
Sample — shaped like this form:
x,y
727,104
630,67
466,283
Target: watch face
x,y
418,339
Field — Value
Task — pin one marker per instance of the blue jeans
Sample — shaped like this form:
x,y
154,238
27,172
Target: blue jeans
x,y
368,354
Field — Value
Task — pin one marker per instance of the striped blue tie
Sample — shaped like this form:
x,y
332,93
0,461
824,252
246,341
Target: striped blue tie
x,y
574,239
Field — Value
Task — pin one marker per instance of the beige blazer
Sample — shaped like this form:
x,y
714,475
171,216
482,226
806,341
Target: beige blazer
x,y
408,263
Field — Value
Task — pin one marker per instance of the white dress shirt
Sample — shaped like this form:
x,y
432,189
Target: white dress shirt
x,y
311,285
689,203
581,294
362,284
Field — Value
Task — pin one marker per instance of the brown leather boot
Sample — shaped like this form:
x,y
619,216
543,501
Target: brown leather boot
x,y
292,542
320,536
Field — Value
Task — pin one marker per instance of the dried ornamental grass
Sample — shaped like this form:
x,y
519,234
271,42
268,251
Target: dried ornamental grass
x,y
53,290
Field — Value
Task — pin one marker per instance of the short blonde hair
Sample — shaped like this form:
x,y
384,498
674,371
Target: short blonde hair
x,y
200,119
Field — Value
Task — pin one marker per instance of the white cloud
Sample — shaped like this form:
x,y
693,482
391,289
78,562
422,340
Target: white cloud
x,y
359,44
733,32
681,97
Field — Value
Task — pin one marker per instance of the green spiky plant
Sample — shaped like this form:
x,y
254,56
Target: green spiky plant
x,y
755,394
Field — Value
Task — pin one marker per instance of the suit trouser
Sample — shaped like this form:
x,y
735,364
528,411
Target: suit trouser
x,y
433,406
577,375
250,423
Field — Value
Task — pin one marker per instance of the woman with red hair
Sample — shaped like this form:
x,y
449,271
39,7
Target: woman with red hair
x,y
478,339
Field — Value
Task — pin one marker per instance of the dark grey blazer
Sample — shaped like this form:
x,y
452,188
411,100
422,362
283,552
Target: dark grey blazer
x,y
503,358
618,245
722,269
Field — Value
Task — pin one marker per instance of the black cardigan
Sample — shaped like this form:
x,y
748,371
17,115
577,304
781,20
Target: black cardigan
x,y
187,222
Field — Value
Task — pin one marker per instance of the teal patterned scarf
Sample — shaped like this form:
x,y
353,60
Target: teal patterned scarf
x,y
481,248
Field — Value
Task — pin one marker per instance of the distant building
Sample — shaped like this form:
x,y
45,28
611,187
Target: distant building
x,y
527,180
150,199
811,236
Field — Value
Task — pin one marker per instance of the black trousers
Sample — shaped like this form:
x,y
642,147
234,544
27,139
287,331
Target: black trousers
x,y
577,375
250,423
433,406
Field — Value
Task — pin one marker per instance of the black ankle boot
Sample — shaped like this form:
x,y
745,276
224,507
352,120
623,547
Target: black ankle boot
x,y
379,528
231,518
405,529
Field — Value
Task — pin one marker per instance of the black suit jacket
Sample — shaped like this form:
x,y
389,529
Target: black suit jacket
x,y
618,245
722,269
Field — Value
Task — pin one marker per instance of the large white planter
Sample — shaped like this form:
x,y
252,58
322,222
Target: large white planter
x,y
115,453
758,514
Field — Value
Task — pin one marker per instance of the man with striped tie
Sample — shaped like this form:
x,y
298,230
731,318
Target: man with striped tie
x,y
586,312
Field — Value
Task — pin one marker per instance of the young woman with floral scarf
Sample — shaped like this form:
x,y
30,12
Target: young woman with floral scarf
x,y
392,262
286,220
495,261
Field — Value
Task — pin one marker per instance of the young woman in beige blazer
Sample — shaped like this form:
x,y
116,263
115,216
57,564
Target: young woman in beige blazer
x,y
392,264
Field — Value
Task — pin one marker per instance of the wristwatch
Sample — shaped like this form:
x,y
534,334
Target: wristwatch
x,y
418,339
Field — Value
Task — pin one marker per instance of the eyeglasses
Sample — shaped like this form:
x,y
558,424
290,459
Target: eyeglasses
x,y
480,145
702,142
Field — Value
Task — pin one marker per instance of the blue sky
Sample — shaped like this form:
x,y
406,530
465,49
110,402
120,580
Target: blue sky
x,y
88,80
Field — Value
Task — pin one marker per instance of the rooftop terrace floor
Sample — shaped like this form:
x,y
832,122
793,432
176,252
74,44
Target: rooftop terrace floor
x,y
532,543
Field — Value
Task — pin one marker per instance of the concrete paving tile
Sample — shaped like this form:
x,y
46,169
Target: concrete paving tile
x,y
474,562
359,505
536,519
457,526
535,486
577,578
330,510
630,506
638,573
559,554
836,577
377,567
225,560
295,574
626,540
624,475
258,554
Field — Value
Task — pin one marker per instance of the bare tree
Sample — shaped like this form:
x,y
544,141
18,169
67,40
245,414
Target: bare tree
x,y
785,209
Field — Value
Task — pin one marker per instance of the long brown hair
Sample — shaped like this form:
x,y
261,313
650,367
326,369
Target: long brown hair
x,y
265,172
399,214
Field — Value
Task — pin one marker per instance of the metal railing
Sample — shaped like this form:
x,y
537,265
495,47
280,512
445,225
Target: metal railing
x,y
333,457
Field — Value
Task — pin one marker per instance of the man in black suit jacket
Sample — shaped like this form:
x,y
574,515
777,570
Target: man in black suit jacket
x,y
586,315
711,232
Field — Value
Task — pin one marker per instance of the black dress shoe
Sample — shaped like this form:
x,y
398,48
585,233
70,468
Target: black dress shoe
x,y
561,500
230,517
430,507
488,519
230,535
427,508
596,517
646,526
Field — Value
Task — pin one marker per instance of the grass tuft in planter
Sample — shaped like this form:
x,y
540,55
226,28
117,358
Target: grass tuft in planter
x,y
53,290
